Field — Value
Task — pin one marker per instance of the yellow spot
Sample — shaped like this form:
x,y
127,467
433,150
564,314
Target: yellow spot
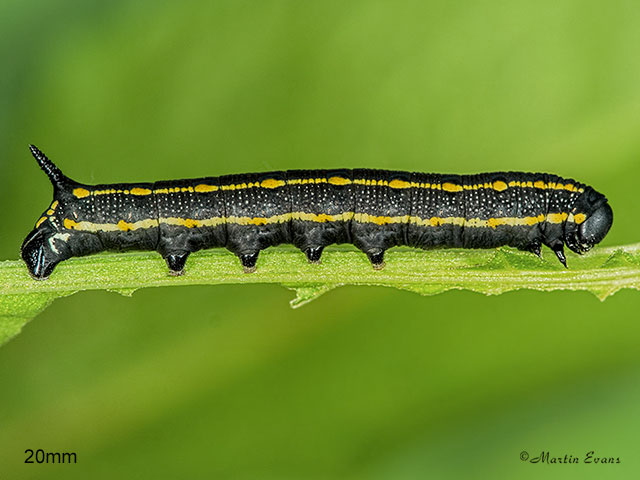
x,y
493,222
339,181
124,226
399,184
140,191
49,212
557,217
203,188
272,183
258,221
81,192
69,224
169,190
305,181
451,187
40,220
579,218
54,205
539,184
312,217
190,223
103,192
499,186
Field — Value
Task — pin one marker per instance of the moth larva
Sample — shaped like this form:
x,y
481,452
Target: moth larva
x,y
372,209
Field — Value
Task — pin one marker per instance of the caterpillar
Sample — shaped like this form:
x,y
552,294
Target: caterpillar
x,y
372,209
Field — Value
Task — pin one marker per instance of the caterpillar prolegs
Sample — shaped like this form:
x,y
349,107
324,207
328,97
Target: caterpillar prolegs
x,y
372,209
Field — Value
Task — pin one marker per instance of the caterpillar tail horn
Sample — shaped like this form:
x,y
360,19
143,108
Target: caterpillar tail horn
x,y
58,179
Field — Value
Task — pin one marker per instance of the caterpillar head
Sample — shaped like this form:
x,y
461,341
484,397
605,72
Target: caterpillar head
x,y
593,217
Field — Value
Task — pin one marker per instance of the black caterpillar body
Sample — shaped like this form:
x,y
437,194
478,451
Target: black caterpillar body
x,y
372,209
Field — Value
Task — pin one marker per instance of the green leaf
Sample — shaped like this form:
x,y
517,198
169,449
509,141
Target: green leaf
x,y
602,272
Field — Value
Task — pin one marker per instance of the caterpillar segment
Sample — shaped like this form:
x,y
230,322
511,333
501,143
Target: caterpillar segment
x,y
372,209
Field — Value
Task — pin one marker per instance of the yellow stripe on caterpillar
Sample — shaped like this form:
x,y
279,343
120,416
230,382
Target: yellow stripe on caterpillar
x,y
121,225
272,183
109,227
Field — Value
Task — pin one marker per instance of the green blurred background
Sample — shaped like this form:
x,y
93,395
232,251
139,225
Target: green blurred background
x,y
364,383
